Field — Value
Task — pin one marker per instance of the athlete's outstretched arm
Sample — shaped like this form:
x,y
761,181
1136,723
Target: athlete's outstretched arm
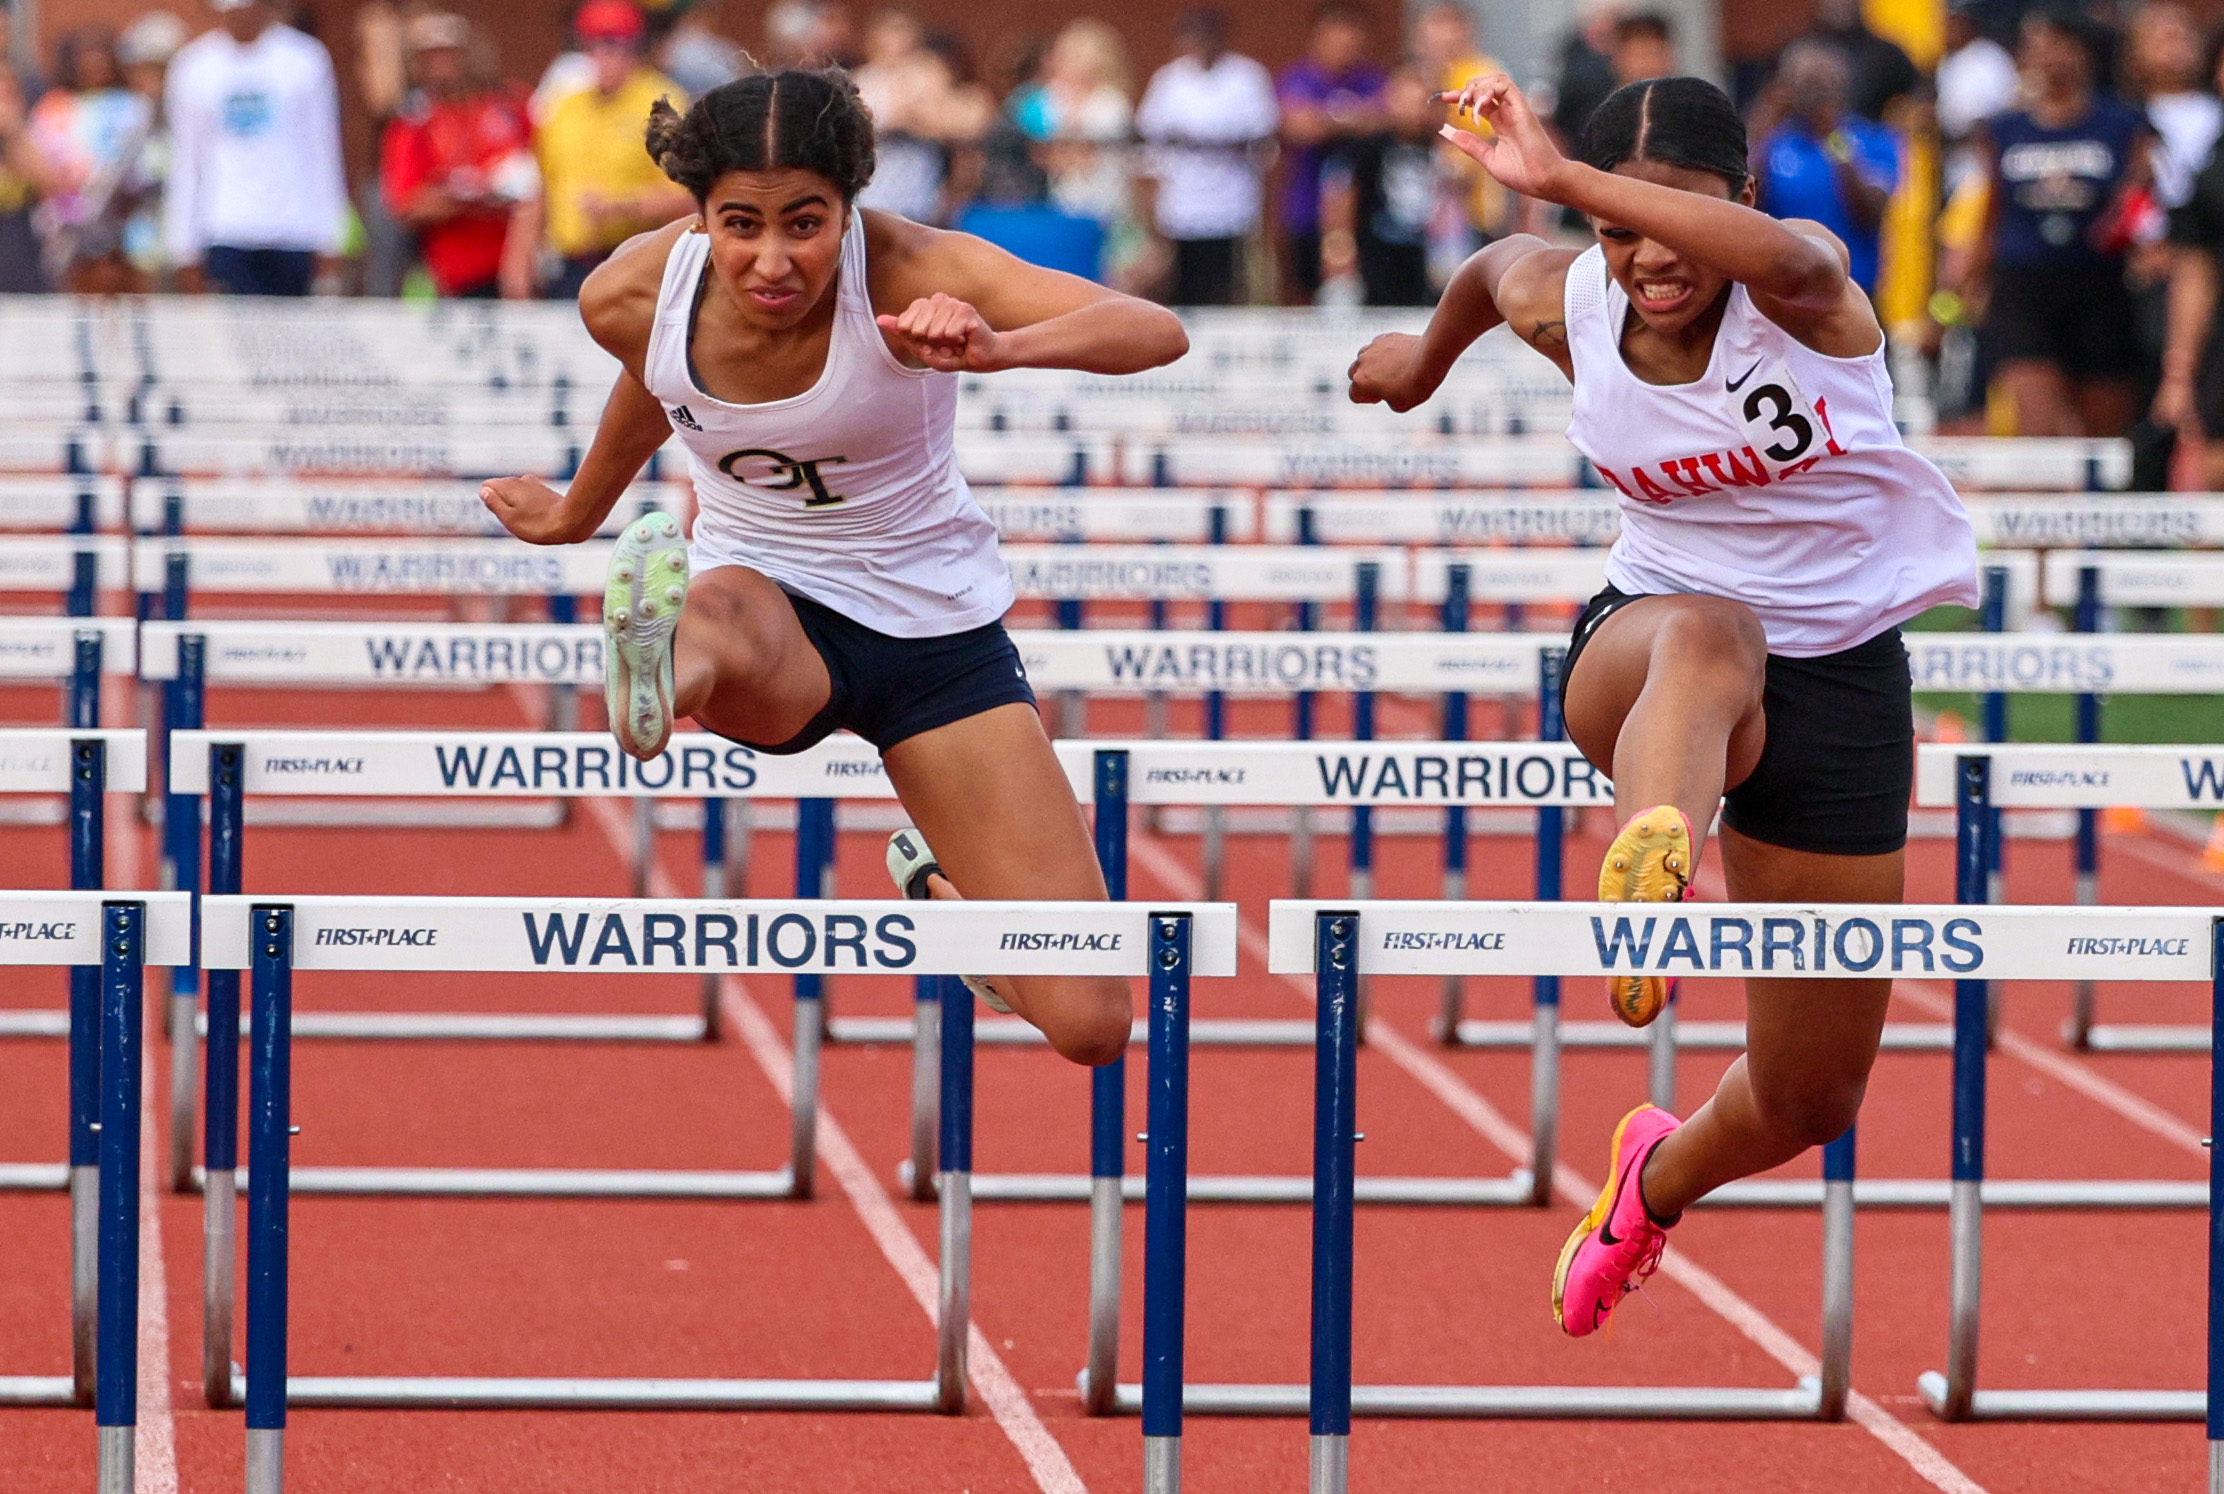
x,y
1520,279
1796,272
618,304
968,306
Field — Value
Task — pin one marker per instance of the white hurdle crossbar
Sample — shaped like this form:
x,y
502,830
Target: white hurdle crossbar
x,y
2088,776
228,766
271,937
1340,942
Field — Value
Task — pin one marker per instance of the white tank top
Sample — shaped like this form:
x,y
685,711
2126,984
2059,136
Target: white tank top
x,y
1778,479
848,492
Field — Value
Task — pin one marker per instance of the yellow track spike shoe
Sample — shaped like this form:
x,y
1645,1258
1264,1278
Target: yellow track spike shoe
x,y
641,605
1651,860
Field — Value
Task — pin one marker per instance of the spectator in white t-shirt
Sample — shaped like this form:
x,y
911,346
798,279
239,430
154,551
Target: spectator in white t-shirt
x,y
257,190
2167,76
1976,80
1208,118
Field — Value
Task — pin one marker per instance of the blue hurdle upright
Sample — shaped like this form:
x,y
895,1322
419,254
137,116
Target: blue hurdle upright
x,y
272,937
112,939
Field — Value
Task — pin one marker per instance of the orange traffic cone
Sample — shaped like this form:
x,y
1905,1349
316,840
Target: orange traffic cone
x,y
2123,819
1949,727
2212,855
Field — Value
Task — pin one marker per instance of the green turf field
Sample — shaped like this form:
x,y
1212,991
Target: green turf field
x,y
2052,718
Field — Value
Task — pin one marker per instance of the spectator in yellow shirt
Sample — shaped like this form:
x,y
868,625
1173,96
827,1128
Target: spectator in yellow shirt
x,y
599,187
1447,58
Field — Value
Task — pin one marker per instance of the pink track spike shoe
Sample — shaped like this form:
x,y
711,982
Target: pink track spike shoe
x,y
1618,1244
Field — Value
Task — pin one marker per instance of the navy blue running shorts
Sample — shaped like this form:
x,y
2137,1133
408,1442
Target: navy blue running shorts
x,y
1839,760
890,689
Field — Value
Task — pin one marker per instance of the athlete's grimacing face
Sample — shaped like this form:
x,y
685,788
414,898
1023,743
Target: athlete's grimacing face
x,y
1668,291
775,241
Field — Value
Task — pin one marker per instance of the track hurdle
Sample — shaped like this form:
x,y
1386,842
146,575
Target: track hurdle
x,y
272,937
79,504
84,764
112,938
2085,777
267,506
1340,943
77,567
230,766
174,568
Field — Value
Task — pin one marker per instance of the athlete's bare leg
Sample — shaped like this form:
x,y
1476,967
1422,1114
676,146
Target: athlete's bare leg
x,y
1666,697
988,794
1809,1043
742,665
1668,691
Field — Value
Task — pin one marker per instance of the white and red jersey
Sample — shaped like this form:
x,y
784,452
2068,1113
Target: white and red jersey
x,y
1777,479
848,492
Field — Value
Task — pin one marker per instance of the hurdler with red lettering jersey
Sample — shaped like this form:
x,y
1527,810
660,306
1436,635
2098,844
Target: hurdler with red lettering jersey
x,y
1730,383
456,160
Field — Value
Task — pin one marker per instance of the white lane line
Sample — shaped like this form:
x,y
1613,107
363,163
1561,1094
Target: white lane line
x,y
154,1445
1488,1122
2067,1071
155,1451
999,1389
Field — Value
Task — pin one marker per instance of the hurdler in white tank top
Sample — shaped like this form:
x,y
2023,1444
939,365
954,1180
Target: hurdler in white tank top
x,y
1778,479
849,492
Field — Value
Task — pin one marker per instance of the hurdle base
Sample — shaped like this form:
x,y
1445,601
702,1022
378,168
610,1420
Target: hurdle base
x,y
2068,1405
1936,1193
1228,1032
34,1024
526,1182
34,1177
555,1394
38,1390
496,1027
2141,1037
1719,1037
1802,1402
1050,1187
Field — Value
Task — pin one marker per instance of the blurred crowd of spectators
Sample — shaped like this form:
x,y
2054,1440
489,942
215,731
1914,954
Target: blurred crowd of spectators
x,y
2053,177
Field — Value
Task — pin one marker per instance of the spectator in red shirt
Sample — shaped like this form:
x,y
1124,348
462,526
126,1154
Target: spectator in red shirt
x,y
457,159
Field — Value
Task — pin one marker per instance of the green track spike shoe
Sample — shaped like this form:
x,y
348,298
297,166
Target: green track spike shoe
x,y
641,605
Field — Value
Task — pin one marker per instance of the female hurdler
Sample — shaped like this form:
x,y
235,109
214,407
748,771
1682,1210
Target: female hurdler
x,y
840,575
1730,383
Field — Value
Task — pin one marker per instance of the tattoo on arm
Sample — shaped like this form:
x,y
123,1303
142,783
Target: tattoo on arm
x,y
1548,335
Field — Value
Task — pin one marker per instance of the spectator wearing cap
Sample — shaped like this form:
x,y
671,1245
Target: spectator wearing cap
x,y
257,190
1208,119
145,49
457,161
599,187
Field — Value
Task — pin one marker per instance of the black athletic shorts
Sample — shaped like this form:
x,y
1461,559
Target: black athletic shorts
x,y
2079,320
1839,759
888,690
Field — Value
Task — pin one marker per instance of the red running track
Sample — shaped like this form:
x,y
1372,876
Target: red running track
x,y
832,1286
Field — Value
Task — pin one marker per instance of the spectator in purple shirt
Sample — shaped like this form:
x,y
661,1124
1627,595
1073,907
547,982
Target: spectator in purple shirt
x,y
1330,97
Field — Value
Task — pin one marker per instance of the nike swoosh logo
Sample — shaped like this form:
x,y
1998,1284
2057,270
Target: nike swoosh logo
x,y
1739,382
1606,1225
